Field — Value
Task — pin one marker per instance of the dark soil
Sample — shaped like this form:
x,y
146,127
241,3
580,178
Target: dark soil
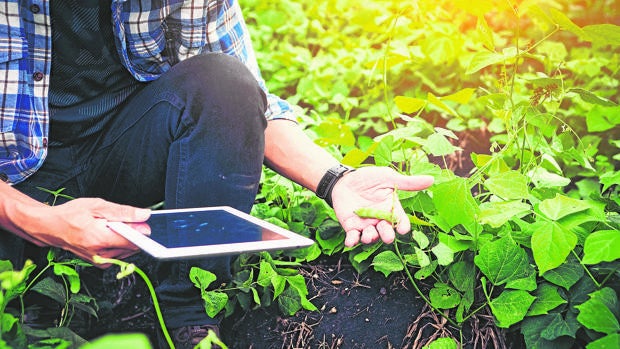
x,y
364,310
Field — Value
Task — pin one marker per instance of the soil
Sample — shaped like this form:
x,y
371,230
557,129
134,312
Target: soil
x,y
364,310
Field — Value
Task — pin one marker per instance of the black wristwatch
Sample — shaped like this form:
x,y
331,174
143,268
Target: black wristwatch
x,y
326,184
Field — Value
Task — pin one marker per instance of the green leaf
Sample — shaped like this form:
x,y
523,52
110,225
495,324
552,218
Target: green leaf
x,y
420,238
547,298
610,178
445,255
463,96
551,244
71,274
565,23
387,262
462,275
604,34
214,302
201,278
442,343
451,194
298,283
596,313
422,258
561,206
483,59
592,98
609,341
566,275
120,340
511,307
443,296
601,246
289,302
532,328
545,179
559,326
496,214
265,274
502,260
438,103
508,185
51,288
409,104
438,145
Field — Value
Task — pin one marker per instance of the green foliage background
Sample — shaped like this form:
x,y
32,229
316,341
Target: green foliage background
x,y
530,234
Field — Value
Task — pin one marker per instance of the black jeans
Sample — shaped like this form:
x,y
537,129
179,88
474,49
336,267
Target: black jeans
x,y
194,137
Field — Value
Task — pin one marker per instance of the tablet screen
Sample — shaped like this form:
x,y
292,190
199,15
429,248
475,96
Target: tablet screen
x,y
207,231
198,228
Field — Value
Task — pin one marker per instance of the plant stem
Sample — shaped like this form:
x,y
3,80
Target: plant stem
x,y
125,267
415,285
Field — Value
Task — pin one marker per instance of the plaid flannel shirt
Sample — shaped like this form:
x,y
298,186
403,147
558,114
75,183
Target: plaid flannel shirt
x,y
150,35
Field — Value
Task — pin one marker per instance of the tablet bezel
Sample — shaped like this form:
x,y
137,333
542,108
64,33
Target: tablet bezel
x,y
291,240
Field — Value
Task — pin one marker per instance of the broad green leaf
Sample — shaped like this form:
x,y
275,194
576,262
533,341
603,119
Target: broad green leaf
x,y
455,193
596,314
610,178
486,34
592,98
335,131
456,242
559,326
421,257
463,96
120,340
51,288
547,298
214,302
561,206
481,60
495,214
545,179
508,185
409,105
601,246
609,341
605,34
387,262
443,296
526,283
565,23
441,105
462,275
502,260
420,238
71,274
298,283
438,145
442,343
265,274
511,307
551,244
566,275
289,302
445,256
201,278
532,328
355,157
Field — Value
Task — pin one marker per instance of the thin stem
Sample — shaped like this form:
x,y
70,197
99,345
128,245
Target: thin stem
x,y
420,293
126,269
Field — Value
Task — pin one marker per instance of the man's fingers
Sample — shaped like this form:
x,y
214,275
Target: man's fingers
x,y
118,212
386,231
352,238
404,182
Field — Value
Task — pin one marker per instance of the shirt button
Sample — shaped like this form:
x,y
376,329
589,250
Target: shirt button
x,y
44,142
3,177
34,8
38,76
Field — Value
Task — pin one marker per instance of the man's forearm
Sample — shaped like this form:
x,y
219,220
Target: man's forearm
x,y
290,152
14,206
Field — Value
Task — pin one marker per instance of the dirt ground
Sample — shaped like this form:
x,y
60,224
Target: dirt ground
x,y
355,311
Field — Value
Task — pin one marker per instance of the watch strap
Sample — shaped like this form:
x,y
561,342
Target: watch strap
x,y
328,181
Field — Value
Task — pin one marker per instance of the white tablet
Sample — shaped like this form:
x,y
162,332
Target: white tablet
x,y
206,232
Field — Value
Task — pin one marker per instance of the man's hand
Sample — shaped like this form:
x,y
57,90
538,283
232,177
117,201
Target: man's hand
x,y
373,187
80,226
